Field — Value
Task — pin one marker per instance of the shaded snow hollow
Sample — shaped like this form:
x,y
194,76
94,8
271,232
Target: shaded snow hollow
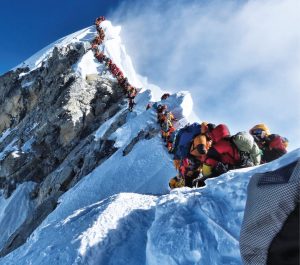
x,y
122,212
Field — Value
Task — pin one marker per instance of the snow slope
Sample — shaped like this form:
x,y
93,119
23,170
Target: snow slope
x,y
122,212
18,204
187,226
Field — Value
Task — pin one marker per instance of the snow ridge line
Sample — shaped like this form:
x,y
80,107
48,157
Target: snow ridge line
x,y
129,90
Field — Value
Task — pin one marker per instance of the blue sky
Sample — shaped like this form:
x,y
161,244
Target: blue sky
x,y
28,26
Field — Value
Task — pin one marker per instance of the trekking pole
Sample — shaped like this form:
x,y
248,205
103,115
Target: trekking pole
x,y
197,180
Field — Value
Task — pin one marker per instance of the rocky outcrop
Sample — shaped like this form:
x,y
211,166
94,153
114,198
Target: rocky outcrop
x,y
143,134
49,111
47,119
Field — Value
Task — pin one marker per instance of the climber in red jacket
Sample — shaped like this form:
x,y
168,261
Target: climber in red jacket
x,y
99,20
100,32
222,155
165,96
99,56
119,76
97,40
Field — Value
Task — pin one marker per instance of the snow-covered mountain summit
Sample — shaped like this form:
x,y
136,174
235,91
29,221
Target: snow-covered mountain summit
x,y
84,181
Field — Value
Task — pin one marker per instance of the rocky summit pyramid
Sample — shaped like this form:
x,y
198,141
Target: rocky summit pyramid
x,y
85,181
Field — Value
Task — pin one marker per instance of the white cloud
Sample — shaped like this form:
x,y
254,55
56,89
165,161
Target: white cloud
x,y
241,60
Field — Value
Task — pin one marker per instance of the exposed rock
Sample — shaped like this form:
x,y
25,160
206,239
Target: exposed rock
x,y
56,111
52,115
148,134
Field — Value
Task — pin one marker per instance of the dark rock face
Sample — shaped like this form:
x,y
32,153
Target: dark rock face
x,y
148,134
47,120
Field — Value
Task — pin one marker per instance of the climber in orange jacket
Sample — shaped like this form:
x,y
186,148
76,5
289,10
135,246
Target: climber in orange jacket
x,y
131,92
167,125
202,142
189,170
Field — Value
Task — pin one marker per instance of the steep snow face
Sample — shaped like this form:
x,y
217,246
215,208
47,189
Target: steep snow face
x,y
146,169
187,226
17,205
112,47
115,50
134,171
88,65
202,226
94,234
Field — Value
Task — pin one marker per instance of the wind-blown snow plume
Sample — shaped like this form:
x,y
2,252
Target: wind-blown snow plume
x,y
240,60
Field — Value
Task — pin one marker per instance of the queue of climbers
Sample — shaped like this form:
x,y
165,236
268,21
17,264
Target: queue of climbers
x,y
203,151
129,90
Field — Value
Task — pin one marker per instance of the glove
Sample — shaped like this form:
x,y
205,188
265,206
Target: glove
x,y
199,182
245,160
247,163
221,168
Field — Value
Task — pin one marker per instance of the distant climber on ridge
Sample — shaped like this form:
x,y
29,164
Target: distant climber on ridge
x,y
99,20
165,96
131,93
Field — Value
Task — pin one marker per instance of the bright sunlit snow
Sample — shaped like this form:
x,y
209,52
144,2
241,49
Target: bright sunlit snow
x,y
122,212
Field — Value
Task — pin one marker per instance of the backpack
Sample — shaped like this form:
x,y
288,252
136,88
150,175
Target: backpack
x,y
245,143
184,138
219,132
276,142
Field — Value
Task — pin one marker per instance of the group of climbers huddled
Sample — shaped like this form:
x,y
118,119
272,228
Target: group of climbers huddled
x,y
128,89
203,151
